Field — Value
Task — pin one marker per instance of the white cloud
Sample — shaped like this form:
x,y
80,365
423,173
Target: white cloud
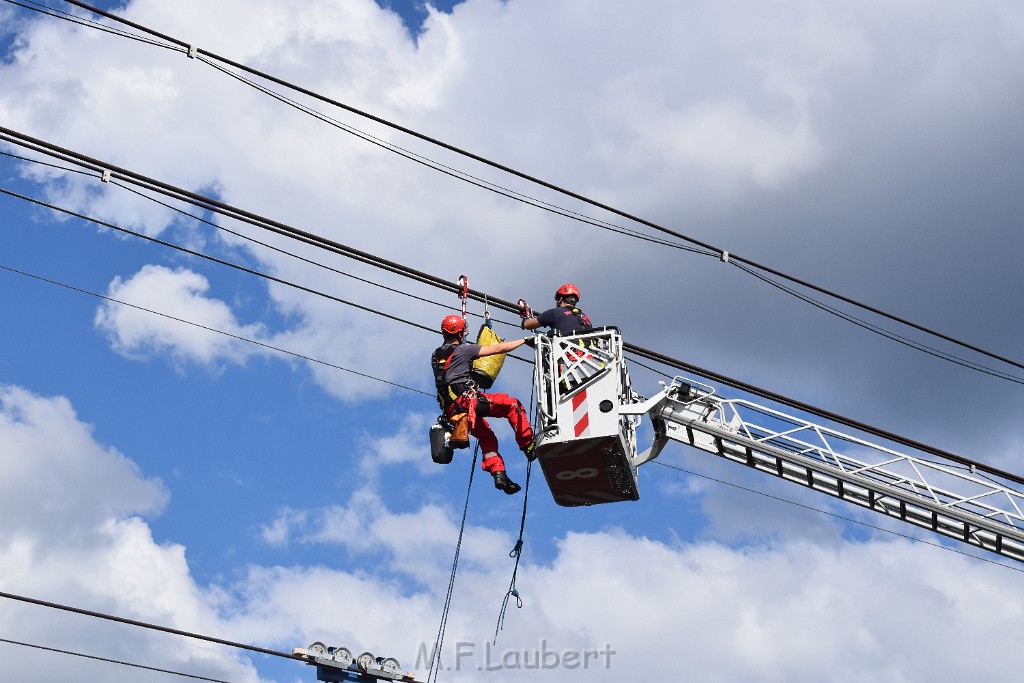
x,y
775,610
71,535
403,448
49,455
832,141
182,294
706,115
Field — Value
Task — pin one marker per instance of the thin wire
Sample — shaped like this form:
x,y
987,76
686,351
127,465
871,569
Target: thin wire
x,y
223,262
214,259
154,627
453,172
82,21
236,233
725,254
211,329
837,516
882,331
111,661
273,248
41,162
420,276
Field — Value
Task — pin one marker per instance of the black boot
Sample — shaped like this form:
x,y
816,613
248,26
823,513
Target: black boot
x,y
530,451
503,483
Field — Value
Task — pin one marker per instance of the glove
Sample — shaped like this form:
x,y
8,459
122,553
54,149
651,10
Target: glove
x,y
530,341
524,309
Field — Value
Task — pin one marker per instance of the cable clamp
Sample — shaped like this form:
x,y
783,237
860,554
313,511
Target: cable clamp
x,y
725,256
192,51
106,176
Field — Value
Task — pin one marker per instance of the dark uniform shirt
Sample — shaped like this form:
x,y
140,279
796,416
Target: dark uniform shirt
x,y
563,319
461,364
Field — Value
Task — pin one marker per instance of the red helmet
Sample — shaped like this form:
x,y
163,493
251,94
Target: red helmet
x,y
453,324
567,290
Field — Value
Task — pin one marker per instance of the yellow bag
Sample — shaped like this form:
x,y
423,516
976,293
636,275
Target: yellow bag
x,y
486,369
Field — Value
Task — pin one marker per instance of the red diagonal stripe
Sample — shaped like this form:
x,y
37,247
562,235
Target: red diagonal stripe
x,y
578,399
582,425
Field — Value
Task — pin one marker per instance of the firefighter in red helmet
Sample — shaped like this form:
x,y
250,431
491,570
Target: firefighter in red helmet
x,y
457,393
565,317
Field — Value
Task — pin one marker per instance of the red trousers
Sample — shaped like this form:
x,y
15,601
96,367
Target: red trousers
x,y
479,406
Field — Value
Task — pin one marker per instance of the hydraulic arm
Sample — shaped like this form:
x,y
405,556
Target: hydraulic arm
x,y
949,498
588,414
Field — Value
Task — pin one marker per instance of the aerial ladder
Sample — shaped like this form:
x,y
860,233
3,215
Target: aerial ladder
x,y
588,414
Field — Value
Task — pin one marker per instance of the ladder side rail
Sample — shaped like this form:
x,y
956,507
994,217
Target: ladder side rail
x,y
543,373
913,462
940,495
888,478
878,491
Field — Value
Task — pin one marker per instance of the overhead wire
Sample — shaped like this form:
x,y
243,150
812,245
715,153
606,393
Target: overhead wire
x,y
279,250
113,172
882,331
147,625
455,173
214,259
210,329
111,661
83,21
706,250
837,516
733,257
236,233
726,256
412,156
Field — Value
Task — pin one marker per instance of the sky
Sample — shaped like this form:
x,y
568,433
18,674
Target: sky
x,y
176,474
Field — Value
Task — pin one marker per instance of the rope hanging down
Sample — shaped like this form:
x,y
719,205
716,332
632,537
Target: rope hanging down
x,y
516,552
435,658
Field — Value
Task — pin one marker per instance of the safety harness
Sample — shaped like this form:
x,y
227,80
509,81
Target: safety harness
x,y
584,319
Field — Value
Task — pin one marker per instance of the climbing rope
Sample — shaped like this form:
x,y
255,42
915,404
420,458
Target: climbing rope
x,y
435,659
517,550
